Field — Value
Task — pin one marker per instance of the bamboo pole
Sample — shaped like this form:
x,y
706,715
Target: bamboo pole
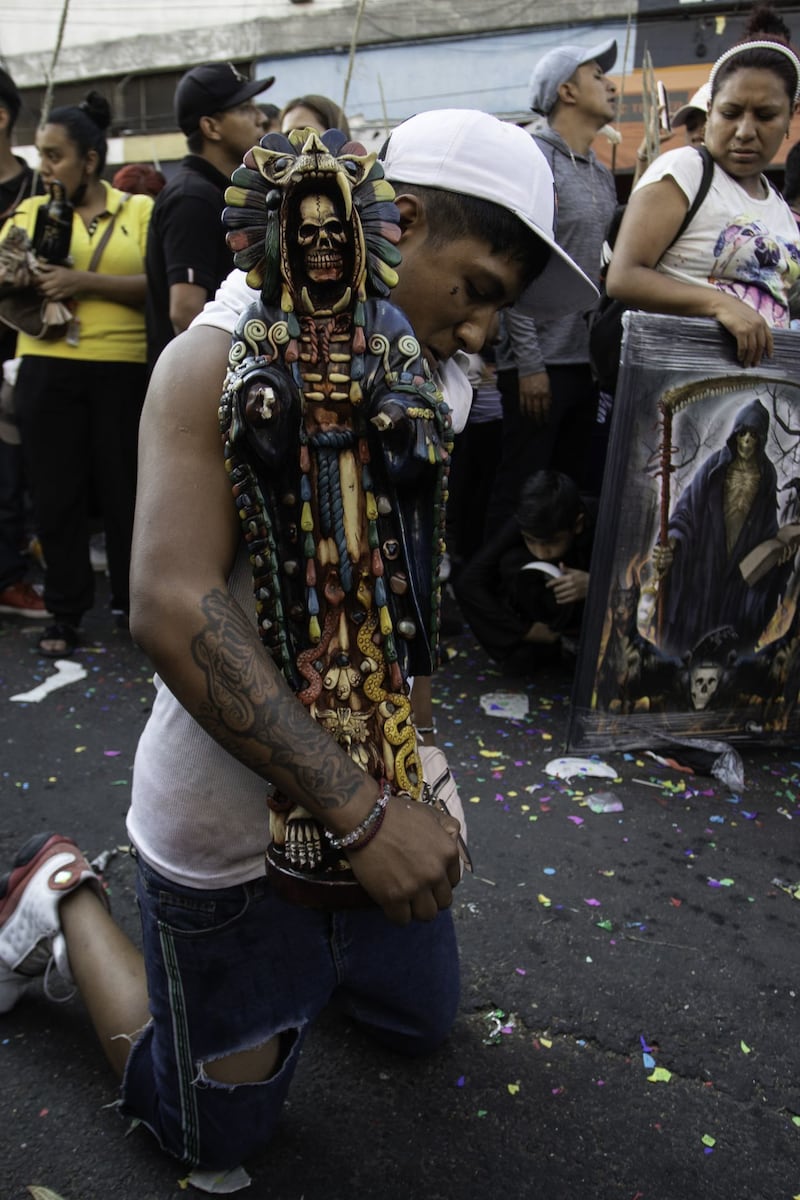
x,y
621,93
352,58
47,103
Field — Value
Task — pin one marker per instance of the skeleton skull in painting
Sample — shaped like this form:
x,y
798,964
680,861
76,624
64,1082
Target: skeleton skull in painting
x,y
704,681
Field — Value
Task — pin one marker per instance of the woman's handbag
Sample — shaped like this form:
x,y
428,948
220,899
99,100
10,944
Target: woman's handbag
x,y
440,792
22,307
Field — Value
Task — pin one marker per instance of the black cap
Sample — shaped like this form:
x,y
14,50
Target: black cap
x,y
210,89
9,94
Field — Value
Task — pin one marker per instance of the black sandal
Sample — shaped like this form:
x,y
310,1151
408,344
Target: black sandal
x,y
61,632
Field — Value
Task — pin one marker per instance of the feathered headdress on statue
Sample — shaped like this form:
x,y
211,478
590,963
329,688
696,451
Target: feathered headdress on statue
x,y
266,190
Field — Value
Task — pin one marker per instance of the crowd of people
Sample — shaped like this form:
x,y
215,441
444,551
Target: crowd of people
x,y
205,1024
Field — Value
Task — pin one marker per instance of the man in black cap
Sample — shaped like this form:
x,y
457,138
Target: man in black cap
x,y
17,597
187,257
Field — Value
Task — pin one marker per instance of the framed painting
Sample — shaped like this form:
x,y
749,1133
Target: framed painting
x,y
692,624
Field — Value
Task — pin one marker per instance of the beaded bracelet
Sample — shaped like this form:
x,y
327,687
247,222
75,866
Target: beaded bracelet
x,y
353,840
371,832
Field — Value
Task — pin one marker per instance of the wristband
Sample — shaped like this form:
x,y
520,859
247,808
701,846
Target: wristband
x,y
356,838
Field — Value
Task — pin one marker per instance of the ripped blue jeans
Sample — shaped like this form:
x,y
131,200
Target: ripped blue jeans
x,y
229,969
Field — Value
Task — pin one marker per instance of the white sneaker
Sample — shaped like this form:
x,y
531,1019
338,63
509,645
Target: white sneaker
x,y
47,868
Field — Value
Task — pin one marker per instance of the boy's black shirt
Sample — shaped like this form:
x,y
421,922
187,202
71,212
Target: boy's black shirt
x,y
500,601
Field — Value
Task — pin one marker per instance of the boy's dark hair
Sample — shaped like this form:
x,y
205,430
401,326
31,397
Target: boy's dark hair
x,y
549,503
86,124
791,182
452,215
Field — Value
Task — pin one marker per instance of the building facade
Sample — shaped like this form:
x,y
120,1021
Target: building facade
x,y
459,53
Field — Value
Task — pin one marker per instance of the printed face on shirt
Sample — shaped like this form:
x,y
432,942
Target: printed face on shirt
x,y
61,159
452,293
748,120
593,92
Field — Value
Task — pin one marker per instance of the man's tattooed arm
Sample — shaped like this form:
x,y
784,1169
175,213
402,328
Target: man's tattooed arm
x,y
251,712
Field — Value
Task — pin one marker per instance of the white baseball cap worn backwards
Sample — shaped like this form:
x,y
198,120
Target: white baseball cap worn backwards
x,y
467,151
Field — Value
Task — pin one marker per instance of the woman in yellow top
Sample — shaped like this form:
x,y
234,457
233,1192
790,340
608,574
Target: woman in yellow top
x,y
79,397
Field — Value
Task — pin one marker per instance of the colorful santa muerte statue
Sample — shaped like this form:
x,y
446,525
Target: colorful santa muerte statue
x,y
337,443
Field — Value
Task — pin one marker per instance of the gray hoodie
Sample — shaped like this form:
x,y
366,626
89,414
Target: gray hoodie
x,y
587,198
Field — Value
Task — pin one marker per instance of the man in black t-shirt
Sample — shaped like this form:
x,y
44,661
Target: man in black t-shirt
x,y
17,182
187,257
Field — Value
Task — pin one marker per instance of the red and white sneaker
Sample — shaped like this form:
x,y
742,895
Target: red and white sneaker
x,y
46,869
23,600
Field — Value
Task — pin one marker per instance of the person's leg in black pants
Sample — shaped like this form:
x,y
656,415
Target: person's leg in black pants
x,y
116,399
53,415
514,453
482,448
12,517
574,418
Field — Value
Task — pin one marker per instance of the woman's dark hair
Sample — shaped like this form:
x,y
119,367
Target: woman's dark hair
x,y
791,181
329,112
452,215
86,124
549,503
766,23
764,26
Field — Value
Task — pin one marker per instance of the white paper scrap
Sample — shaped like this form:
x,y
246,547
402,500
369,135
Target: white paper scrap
x,y
220,1182
569,768
67,671
512,705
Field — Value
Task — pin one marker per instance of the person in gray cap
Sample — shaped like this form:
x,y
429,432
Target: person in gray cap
x,y
187,256
549,397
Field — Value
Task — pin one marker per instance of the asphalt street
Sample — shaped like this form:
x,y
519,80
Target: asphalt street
x,y
629,1024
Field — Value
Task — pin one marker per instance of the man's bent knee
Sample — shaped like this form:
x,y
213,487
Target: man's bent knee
x,y
246,1066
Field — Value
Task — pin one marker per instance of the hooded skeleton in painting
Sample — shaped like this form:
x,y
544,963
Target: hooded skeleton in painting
x,y
729,508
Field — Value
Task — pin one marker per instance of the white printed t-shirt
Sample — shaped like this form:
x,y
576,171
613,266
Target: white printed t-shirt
x,y
746,246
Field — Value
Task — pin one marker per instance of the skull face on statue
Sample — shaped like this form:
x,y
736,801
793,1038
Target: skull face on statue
x,y
322,237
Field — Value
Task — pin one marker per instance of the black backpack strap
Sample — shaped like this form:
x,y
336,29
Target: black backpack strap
x,y
702,192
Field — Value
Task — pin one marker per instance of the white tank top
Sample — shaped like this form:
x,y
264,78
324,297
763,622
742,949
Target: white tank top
x,y
197,815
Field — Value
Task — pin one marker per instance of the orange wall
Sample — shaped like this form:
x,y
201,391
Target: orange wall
x,y
681,84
